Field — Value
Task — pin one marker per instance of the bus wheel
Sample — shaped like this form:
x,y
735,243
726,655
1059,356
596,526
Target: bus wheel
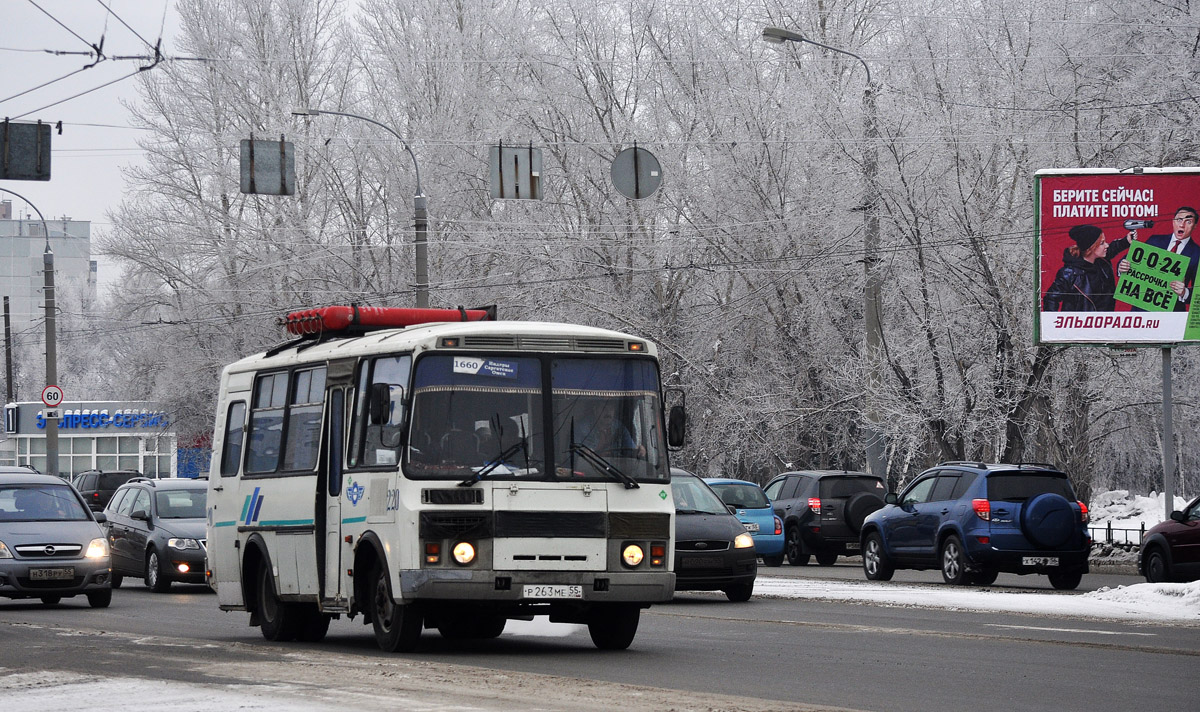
x,y
279,620
397,626
313,625
613,627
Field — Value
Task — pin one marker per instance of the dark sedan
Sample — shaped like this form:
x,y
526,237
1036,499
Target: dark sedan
x,y
713,550
1171,550
156,530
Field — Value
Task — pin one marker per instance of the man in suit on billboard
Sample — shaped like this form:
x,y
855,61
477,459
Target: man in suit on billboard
x,y
1181,242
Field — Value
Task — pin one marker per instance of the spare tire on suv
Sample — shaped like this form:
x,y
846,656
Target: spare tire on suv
x,y
858,507
1048,520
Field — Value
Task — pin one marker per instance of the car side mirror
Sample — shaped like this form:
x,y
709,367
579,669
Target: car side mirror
x,y
140,514
891,498
676,426
101,517
1178,516
732,509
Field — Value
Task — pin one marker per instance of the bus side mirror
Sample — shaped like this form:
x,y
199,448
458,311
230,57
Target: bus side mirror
x,y
379,407
676,426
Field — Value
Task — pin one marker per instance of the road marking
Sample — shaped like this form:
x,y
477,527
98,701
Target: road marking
x,y
1070,630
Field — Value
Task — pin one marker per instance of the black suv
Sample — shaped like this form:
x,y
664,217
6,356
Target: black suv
x,y
823,511
156,531
97,487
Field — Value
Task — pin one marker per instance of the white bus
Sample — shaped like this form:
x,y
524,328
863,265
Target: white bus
x,y
440,469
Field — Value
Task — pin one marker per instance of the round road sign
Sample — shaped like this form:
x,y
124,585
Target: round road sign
x,y
52,396
636,173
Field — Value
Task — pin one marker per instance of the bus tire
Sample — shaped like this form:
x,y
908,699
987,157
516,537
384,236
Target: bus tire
x,y
613,627
278,621
397,626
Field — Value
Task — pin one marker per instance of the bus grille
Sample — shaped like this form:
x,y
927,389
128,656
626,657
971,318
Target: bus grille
x,y
639,525
551,524
453,525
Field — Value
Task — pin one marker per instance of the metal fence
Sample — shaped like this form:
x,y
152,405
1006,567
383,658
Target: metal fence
x,y
1109,535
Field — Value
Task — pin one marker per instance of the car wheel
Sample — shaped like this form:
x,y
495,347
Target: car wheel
x,y
117,579
876,564
794,548
776,560
613,627
954,563
983,577
740,593
156,577
51,600
1066,581
397,625
1156,566
827,559
100,599
278,621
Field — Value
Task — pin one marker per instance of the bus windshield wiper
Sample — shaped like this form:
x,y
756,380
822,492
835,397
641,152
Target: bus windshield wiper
x,y
491,466
603,465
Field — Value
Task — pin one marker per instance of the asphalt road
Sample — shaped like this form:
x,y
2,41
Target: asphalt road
x,y
786,651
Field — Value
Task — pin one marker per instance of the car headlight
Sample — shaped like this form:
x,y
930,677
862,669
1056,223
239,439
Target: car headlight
x,y
4,552
98,549
463,553
183,543
633,555
743,541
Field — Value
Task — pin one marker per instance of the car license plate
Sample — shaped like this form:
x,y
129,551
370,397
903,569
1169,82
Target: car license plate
x,y
852,546
1039,560
750,526
61,574
552,591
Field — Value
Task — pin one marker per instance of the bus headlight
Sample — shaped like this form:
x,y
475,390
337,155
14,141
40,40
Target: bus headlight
x,y
98,549
464,553
633,555
743,541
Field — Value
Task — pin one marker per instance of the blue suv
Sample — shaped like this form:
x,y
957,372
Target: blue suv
x,y
975,520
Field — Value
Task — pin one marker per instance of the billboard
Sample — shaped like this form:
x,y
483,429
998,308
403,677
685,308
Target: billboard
x,y
1117,254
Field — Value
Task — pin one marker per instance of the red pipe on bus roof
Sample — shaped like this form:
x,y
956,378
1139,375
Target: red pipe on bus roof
x,y
341,318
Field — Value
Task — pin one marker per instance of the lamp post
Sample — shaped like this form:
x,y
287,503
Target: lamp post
x,y
872,343
420,215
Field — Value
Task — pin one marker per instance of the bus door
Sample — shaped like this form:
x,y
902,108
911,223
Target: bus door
x,y
332,490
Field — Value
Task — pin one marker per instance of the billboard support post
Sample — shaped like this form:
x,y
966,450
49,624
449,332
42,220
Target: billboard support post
x,y
1168,442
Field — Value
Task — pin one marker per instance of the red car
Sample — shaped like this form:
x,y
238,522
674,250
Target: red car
x,y
1171,550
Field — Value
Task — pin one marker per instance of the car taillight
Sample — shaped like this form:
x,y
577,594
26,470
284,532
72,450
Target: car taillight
x,y
1083,512
983,509
778,526
814,503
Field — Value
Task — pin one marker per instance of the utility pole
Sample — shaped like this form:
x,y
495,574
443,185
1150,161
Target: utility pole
x,y
873,322
420,214
9,387
51,356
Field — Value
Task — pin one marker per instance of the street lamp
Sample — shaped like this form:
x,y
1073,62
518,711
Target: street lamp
x,y
420,215
871,286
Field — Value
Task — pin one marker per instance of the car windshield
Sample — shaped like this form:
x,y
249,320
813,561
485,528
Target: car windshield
x,y
486,416
40,503
742,496
692,496
1020,486
181,504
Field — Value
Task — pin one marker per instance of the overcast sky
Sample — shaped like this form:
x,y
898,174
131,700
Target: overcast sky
x,y
96,141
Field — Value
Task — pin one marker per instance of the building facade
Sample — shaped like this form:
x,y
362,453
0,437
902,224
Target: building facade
x,y
22,244
92,435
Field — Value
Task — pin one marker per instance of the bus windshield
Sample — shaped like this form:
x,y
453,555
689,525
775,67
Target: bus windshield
x,y
487,416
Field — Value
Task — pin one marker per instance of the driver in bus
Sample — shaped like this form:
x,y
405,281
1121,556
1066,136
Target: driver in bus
x,y
608,435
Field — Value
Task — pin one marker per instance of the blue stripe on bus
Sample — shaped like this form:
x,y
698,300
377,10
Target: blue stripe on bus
x,y
353,520
284,522
225,524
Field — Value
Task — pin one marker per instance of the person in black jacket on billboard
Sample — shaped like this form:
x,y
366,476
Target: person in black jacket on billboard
x,y
1086,282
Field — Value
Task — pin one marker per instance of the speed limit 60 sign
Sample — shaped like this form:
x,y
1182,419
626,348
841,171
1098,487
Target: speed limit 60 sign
x,y
52,396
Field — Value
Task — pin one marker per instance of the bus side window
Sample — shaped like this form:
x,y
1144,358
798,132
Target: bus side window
x,y
304,419
266,423
231,444
374,444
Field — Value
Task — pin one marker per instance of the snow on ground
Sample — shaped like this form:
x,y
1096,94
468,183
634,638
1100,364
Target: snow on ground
x,y
1126,511
1138,602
